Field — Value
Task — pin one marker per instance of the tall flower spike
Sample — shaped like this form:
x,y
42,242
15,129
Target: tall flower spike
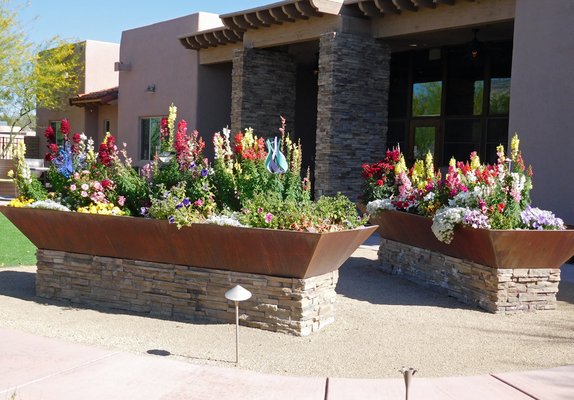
x,y
514,147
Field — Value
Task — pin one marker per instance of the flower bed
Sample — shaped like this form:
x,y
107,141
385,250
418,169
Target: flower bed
x,y
470,194
471,232
201,227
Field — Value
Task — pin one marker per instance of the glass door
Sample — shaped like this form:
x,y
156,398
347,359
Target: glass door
x,y
424,138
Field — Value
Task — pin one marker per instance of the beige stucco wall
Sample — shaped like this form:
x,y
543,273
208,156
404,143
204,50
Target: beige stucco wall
x,y
157,58
541,106
98,60
99,65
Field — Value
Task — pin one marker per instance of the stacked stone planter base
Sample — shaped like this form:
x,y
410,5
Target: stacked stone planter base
x,y
497,290
287,305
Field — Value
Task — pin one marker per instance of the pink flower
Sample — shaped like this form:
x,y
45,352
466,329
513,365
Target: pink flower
x,y
259,210
97,186
198,203
268,218
84,193
85,187
72,187
121,200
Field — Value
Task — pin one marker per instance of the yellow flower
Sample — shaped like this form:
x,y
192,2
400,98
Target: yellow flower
x,y
429,166
10,174
514,146
452,162
401,166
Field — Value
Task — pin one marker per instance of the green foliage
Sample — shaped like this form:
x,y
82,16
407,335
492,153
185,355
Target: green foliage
x,y
29,187
133,187
326,215
32,76
176,207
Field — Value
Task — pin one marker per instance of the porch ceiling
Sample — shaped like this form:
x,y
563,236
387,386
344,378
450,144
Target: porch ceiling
x,y
273,14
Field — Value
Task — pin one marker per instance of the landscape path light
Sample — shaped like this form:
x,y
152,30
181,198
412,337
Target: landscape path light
x,y
237,294
408,375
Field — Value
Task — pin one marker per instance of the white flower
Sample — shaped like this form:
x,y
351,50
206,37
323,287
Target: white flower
x,y
48,205
223,220
445,220
376,206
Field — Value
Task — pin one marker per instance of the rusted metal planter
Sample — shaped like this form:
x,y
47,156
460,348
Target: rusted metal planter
x,y
249,250
490,247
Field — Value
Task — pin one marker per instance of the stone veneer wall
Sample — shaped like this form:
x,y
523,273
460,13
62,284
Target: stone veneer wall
x,y
263,89
286,305
352,110
495,290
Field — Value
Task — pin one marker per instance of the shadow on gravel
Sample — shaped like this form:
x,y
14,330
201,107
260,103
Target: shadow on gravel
x,y
18,284
360,279
22,285
566,292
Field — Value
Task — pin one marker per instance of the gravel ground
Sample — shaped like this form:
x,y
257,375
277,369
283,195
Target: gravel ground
x,y
383,323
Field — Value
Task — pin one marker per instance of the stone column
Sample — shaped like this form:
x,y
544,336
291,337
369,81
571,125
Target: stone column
x,y
351,112
263,89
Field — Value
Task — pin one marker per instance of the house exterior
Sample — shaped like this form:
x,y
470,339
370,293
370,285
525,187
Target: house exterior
x,y
89,114
355,77
156,71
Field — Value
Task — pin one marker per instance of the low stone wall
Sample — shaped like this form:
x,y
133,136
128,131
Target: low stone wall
x,y
493,289
286,305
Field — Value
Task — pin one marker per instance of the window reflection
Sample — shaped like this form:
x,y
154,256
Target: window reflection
x,y
424,141
499,95
427,99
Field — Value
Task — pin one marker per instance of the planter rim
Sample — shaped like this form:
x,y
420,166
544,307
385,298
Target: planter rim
x,y
497,248
283,253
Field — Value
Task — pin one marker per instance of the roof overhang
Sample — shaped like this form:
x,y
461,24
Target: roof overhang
x,y
378,8
99,98
236,24
211,38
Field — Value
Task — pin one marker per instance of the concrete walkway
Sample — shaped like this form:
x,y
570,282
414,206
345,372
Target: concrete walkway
x,y
34,367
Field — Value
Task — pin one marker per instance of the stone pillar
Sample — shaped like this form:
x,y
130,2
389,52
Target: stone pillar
x,y
352,110
263,89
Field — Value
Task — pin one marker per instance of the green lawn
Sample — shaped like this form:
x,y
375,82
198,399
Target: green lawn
x,y
15,248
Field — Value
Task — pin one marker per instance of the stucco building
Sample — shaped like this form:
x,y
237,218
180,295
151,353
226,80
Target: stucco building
x,y
94,111
451,76
354,77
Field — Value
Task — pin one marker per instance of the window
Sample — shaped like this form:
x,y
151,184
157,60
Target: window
x,y
106,126
448,103
150,137
57,127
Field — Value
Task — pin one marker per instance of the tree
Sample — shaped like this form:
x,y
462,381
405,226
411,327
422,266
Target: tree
x,y
32,75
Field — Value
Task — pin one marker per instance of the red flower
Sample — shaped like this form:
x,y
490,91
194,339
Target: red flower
x,y
106,183
76,138
49,134
65,127
53,147
380,182
500,207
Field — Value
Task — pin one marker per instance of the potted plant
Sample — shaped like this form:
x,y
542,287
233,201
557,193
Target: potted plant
x,y
230,214
474,211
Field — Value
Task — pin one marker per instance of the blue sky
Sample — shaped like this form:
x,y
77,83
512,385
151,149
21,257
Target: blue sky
x,y
105,20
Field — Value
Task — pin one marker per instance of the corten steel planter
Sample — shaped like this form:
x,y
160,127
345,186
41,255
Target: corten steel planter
x,y
491,247
250,250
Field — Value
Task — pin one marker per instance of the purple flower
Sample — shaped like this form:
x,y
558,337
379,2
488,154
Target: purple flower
x,y
192,165
171,219
204,172
186,202
178,206
535,218
144,211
